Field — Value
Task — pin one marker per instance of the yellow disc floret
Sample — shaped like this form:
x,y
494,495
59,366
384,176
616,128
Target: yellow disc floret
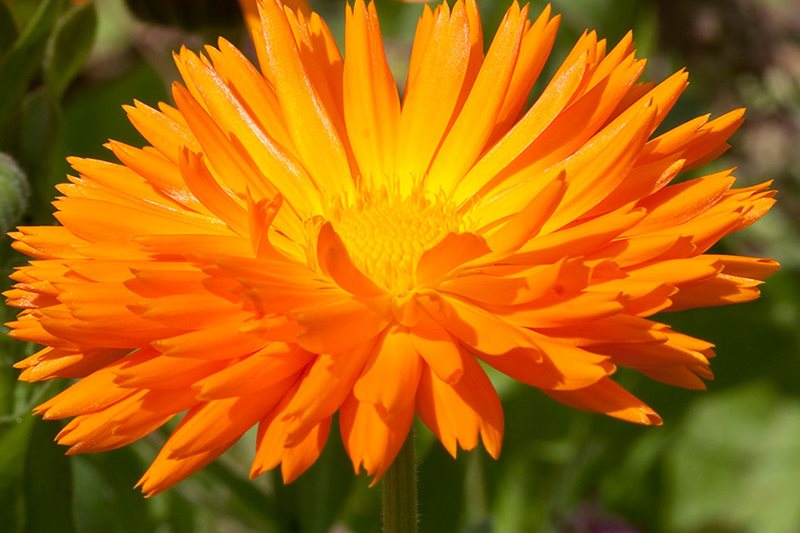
x,y
386,234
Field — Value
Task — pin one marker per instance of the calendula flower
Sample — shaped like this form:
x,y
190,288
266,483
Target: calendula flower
x,y
298,242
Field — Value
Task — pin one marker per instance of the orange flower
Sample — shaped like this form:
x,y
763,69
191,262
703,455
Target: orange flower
x,y
296,243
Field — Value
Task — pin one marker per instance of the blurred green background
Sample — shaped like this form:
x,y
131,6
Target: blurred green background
x,y
726,460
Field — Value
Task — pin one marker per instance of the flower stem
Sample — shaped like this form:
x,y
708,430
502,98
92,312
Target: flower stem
x,y
400,492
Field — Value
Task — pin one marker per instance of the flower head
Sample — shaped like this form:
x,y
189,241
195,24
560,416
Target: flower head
x,y
298,241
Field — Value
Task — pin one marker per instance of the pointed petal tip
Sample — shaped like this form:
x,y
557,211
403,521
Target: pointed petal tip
x,y
651,418
255,471
492,439
493,453
451,447
141,485
289,474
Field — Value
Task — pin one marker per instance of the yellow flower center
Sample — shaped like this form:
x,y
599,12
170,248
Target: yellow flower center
x,y
386,234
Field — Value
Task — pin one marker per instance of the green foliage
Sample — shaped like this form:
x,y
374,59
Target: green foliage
x,y
745,475
47,478
68,48
14,437
99,505
8,28
22,60
38,134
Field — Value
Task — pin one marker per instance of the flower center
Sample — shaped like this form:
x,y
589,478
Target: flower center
x,y
386,234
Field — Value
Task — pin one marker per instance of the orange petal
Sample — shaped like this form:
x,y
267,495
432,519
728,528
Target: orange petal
x,y
311,127
206,189
551,102
252,88
556,310
335,261
607,397
566,133
298,458
273,448
526,224
432,91
474,326
534,51
578,240
371,102
49,363
327,383
458,413
452,251
467,137
339,325
389,379
438,348
372,441
120,424
168,135
244,155
217,423
165,471
148,369
255,373
554,365
525,287
90,394
679,203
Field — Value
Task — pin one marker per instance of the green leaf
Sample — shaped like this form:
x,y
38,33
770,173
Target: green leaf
x,y
181,513
13,444
41,23
24,58
38,149
8,29
105,499
14,192
48,483
68,47
251,501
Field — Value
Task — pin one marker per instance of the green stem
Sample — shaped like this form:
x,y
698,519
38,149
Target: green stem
x,y
400,492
